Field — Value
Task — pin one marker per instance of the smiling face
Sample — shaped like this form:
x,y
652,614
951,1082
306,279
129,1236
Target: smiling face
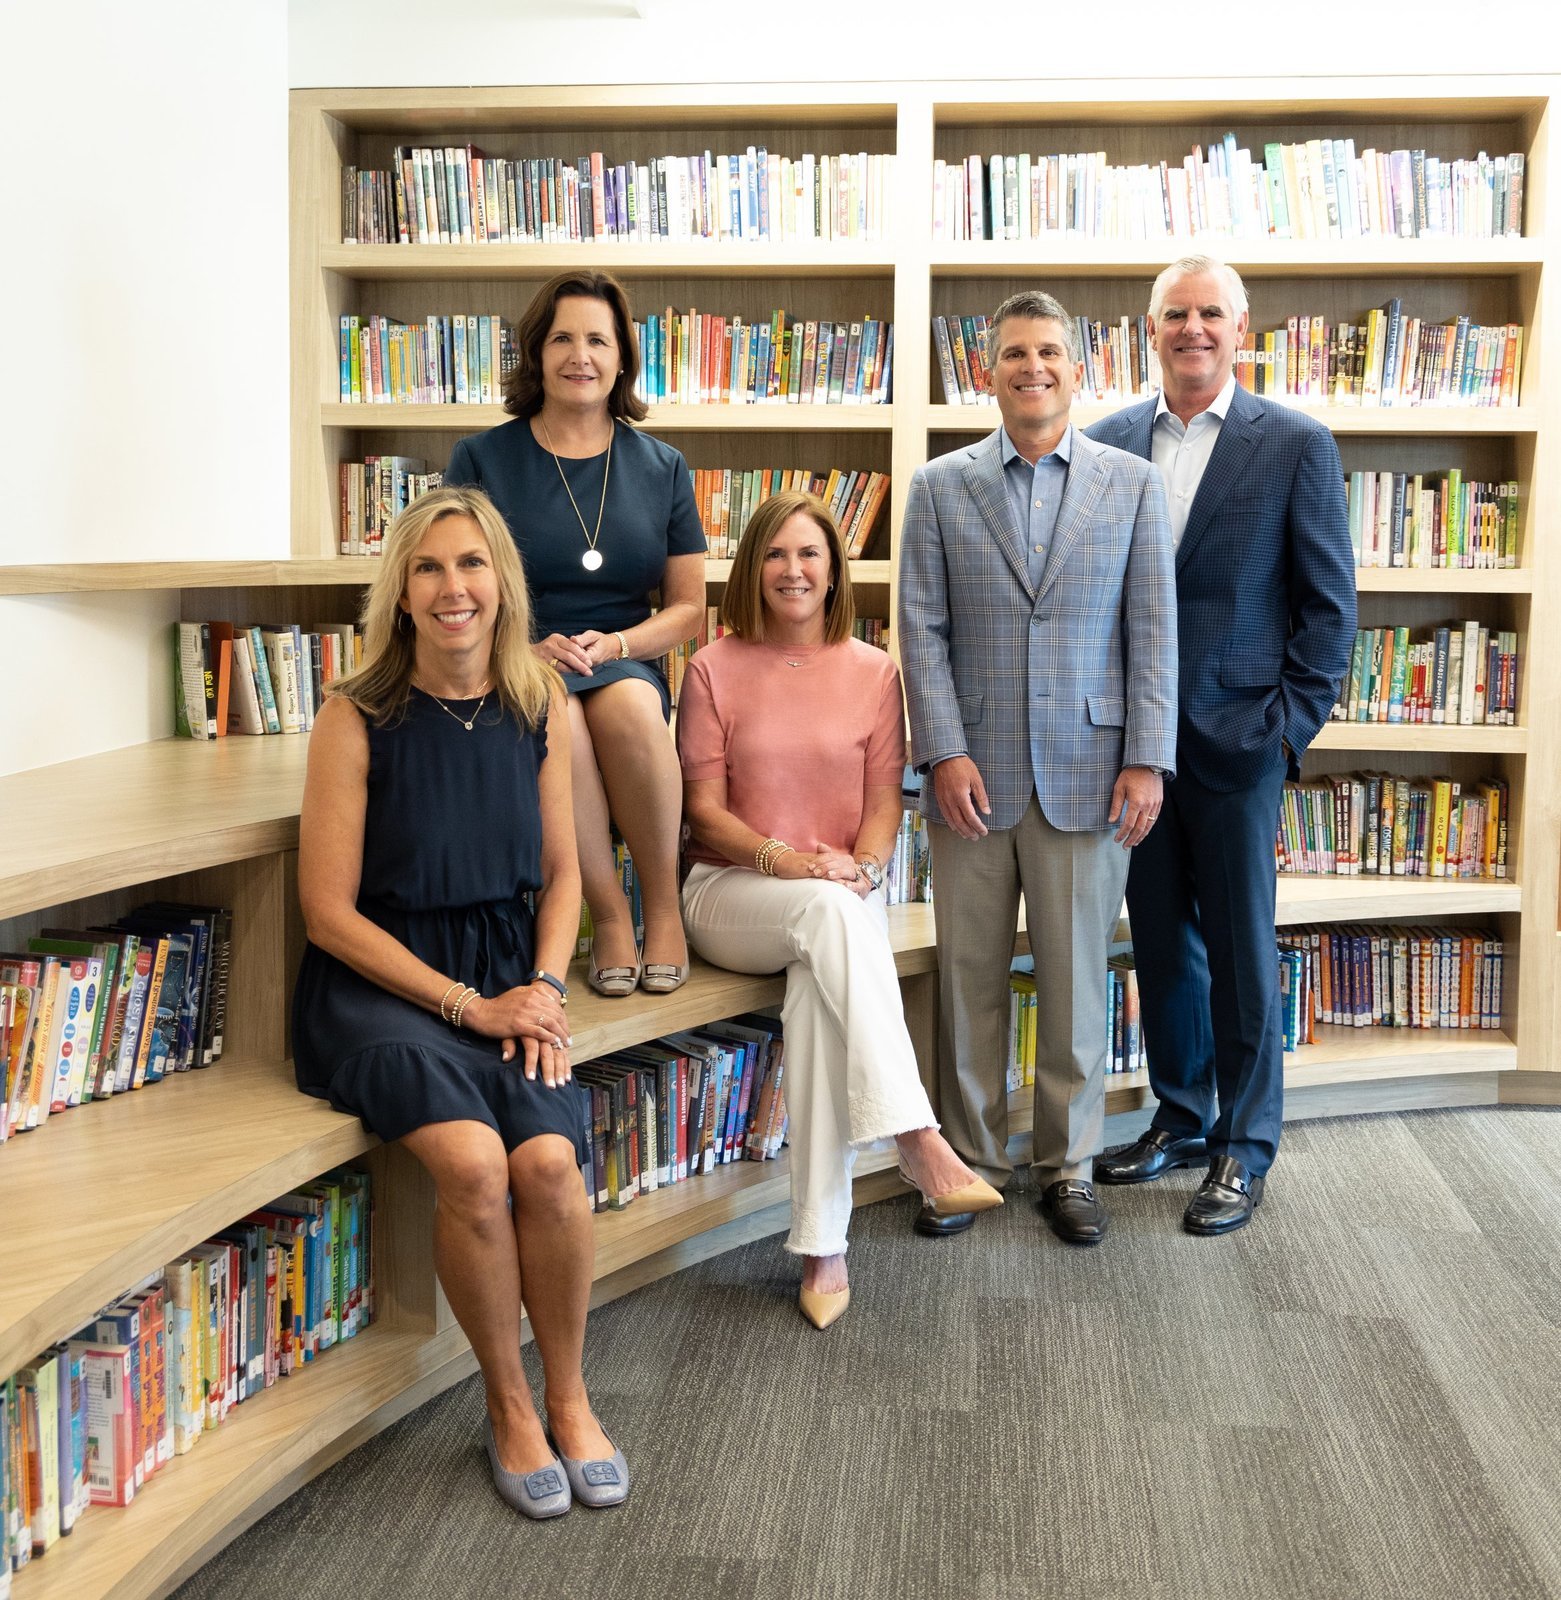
x,y
580,355
1033,378
1196,335
452,597
794,581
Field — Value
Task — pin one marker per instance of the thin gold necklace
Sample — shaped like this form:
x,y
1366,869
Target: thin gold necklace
x,y
487,690
592,559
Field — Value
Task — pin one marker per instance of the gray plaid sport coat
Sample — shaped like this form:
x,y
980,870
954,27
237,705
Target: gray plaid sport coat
x,y
1050,689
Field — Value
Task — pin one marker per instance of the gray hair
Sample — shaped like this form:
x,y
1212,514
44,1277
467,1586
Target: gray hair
x,y
1032,303
1192,267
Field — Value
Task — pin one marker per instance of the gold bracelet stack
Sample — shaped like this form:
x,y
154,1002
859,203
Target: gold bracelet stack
x,y
768,853
452,1015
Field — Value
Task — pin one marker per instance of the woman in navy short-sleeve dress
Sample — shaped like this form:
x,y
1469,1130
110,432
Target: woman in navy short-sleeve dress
x,y
604,517
437,877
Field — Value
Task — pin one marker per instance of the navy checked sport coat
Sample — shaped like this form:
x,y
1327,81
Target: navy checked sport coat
x,y
1049,689
1265,589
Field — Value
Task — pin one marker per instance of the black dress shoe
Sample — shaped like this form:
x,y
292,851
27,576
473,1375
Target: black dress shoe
x,y
1225,1199
1155,1153
1075,1215
934,1226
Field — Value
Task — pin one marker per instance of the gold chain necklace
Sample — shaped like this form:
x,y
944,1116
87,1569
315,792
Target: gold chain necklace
x,y
488,689
592,559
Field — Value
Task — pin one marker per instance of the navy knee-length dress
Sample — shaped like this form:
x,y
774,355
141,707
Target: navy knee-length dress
x,y
452,848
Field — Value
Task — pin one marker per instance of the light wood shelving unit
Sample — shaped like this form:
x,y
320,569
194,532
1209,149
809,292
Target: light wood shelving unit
x,y
219,821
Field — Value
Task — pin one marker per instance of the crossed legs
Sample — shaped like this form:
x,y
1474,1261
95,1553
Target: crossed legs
x,y
625,768
513,1230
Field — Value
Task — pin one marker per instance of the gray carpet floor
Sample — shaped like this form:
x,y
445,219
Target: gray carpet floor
x,y
1359,1395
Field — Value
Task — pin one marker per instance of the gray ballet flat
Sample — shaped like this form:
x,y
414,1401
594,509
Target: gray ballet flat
x,y
596,1483
538,1495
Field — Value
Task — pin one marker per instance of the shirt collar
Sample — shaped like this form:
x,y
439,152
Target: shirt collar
x,y
1219,405
1010,451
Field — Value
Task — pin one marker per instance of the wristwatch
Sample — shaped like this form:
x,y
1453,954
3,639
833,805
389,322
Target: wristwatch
x,y
870,870
539,976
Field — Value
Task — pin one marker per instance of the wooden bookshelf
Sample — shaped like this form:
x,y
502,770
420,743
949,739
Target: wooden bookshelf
x,y
219,820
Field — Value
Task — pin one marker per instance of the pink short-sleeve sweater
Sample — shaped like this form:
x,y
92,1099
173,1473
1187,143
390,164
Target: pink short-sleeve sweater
x,y
796,745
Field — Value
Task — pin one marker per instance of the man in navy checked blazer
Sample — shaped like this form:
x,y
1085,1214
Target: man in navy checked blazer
x,y
1037,629
1265,594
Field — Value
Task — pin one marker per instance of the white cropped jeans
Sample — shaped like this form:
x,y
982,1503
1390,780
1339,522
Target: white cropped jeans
x,y
850,1075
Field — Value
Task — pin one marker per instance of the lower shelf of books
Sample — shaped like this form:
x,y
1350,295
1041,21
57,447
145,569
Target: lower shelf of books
x,y
191,1506
1341,1056
128,1183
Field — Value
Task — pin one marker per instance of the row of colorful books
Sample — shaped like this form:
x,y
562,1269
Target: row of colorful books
x,y
1461,673
448,359
1394,976
1387,360
697,358
727,497
263,678
86,1013
1432,519
1125,1050
462,195
373,492
1372,824
1311,189
681,1106
94,1418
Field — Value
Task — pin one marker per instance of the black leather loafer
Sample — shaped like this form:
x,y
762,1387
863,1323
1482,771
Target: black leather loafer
x,y
1075,1215
939,1227
1225,1199
1155,1154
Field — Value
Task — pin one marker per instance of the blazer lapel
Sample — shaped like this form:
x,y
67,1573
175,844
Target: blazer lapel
x,y
1240,434
1086,479
989,490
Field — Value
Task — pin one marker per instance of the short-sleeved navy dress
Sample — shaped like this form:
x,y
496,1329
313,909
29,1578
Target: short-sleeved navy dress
x,y
452,843
650,515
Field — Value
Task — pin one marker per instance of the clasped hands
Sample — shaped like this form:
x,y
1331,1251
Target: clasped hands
x,y
532,1016
833,866
1136,798
579,652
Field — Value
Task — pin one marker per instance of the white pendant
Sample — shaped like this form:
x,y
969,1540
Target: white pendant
x,y
591,560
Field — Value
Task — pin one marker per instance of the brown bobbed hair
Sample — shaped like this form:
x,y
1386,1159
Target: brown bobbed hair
x,y
380,687
742,606
523,387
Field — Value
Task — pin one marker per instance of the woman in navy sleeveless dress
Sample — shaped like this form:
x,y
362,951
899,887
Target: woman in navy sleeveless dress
x,y
429,1002
604,517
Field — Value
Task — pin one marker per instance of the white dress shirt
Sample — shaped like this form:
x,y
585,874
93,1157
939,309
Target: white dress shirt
x,y
1182,451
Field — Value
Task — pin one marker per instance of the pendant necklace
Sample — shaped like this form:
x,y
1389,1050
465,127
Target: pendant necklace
x,y
809,652
592,559
488,689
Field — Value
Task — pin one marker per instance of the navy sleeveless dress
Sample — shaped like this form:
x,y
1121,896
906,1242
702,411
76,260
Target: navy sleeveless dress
x,y
452,843
649,515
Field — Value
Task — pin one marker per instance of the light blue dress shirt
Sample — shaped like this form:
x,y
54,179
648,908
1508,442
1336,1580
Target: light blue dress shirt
x,y
1035,496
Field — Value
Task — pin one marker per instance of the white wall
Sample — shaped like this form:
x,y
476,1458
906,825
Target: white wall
x,y
144,280
336,43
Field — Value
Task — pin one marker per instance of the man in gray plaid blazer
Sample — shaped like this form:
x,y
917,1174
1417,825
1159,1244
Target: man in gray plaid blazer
x,y
1037,617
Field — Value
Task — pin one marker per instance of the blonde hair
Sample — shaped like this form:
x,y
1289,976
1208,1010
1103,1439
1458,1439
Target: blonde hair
x,y
742,606
379,688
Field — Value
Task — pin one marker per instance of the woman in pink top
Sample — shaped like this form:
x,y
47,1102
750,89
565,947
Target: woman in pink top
x,y
792,739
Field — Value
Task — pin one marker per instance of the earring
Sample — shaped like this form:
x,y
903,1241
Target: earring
x,y
403,622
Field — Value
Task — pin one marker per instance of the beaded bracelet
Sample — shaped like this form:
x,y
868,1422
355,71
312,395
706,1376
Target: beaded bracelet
x,y
445,997
461,1004
768,853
